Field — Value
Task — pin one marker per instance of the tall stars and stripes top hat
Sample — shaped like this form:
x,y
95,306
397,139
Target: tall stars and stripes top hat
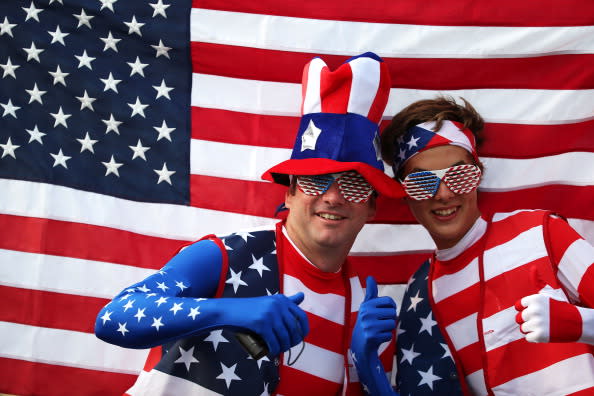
x,y
339,128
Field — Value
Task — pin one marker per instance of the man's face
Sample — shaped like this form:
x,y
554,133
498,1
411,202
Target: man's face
x,y
446,216
318,223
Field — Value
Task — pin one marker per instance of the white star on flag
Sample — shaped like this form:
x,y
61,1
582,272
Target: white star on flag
x,y
85,60
409,355
164,174
161,50
412,142
137,67
414,300
60,159
427,324
164,131
32,12
110,42
235,280
137,108
87,143
6,27
35,134
216,337
428,378
110,83
258,265
9,149
36,94
159,8
112,167
83,19
162,90
186,357
228,374
58,36
134,26
59,76
86,101
33,52
9,108
107,4
112,125
60,118
139,150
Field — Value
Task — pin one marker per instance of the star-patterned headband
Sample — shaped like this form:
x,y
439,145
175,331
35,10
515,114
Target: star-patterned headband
x,y
422,137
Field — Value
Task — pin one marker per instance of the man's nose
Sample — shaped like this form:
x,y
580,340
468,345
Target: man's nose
x,y
333,195
443,192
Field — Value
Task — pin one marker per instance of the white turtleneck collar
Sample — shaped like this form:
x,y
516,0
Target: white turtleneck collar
x,y
474,234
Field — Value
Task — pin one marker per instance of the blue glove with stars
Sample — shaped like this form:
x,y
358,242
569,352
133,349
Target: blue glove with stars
x,y
163,307
141,320
375,322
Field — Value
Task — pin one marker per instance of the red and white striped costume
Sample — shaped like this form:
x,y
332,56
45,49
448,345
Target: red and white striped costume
x,y
322,363
473,288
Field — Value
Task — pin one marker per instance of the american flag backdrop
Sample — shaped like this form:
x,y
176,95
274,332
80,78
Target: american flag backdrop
x,y
129,127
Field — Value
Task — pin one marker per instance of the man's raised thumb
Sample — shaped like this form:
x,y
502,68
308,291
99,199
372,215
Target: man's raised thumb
x,y
371,289
297,298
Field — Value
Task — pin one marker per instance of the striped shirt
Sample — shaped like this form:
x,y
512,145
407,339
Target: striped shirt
x,y
456,291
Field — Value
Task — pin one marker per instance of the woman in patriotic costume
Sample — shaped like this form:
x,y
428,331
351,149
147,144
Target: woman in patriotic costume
x,y
292,285
504,305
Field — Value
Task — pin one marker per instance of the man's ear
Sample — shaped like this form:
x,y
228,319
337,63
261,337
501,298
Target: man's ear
x,y
288,198
372,207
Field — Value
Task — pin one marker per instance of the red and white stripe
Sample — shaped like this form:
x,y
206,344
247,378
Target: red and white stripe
x,y
453,132
366,93
247,60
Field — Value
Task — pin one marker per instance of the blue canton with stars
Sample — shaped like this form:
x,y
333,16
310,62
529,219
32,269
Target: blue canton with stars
x,y
424,362
95,95
412,141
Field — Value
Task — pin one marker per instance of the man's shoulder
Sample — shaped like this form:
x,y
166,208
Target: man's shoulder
x,y
520,214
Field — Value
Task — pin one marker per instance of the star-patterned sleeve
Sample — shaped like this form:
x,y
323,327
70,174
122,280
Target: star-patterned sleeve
x,y
172,303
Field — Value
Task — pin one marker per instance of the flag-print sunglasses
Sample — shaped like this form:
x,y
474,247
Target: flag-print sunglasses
x,y
460,179
353,187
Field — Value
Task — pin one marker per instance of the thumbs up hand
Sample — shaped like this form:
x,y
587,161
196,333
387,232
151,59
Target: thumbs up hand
x,y
375,321
548,317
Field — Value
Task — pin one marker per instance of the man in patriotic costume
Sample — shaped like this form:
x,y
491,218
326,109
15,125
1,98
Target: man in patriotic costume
x,y
292,284
504,305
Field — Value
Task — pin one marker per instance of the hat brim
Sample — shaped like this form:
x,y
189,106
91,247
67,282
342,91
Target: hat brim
x,y
381,182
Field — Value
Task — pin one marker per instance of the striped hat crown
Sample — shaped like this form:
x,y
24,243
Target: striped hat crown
x,y
339,128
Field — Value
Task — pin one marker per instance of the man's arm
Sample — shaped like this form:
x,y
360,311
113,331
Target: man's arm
x,y
545,318
177,302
